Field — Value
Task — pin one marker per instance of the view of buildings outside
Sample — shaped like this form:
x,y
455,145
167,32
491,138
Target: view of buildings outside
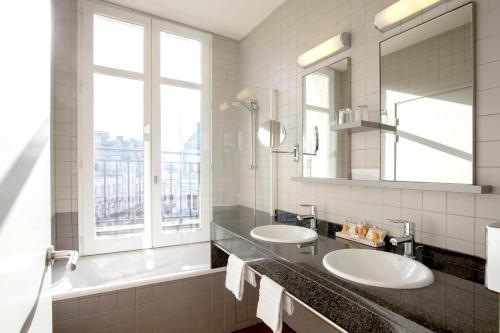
x,y
119,185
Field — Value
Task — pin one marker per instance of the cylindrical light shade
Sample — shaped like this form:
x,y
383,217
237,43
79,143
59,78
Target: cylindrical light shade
x,y
401,10
334,45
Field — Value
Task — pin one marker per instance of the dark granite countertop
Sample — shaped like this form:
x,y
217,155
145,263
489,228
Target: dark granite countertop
x,y
456,302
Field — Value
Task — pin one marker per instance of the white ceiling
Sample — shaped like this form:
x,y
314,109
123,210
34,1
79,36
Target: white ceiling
x,y
230,18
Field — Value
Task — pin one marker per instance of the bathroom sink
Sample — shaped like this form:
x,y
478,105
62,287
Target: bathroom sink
x,y
377,268
288,234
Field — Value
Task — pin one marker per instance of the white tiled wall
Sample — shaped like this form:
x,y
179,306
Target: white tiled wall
x,y
436,64
268,59
225,122
64,123
64,97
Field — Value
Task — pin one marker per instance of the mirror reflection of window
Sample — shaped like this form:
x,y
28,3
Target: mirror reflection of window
x,y
325,92
427,92
318,90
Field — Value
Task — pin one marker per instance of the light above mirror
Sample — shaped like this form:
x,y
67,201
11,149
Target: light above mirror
x,y
401,11
334,45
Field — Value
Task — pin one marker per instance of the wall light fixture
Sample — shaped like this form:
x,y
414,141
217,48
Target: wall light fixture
x,y
334,45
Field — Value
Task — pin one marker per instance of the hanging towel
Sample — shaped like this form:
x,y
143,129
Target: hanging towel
x,y
250,277
270,303
287,304
235,276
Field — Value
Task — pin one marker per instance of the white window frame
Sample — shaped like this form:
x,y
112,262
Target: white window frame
x,y
203,234
152,235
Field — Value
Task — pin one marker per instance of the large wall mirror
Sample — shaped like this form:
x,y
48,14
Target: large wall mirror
x,y
427,93
326,92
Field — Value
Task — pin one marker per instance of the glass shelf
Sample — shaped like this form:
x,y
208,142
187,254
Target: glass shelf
x,y
362,126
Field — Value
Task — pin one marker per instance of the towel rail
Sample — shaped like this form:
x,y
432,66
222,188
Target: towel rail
x,y
295,299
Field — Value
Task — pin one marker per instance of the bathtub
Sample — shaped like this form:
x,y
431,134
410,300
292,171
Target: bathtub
x,y
110,272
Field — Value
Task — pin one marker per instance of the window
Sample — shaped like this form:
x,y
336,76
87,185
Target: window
x,y
181,128
143,126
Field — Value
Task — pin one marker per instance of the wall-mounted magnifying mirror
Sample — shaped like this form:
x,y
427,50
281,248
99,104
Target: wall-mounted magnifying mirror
x,y
271,134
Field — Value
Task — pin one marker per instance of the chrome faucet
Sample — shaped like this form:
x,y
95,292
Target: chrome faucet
x,y
311,217
407,239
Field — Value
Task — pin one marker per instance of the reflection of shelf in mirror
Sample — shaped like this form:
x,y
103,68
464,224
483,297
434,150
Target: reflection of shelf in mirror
x,y
361,126
443,187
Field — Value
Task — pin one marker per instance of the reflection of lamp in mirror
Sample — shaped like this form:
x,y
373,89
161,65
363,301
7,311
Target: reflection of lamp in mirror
x,y
401,11
334,45
224,106
244,94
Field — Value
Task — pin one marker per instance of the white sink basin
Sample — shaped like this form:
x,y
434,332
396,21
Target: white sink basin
x,y
288,234
377,268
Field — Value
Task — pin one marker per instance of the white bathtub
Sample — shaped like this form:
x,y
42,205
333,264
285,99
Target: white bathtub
x,y
109,272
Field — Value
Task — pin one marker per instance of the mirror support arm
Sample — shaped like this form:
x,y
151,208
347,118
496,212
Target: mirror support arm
x,y
294,152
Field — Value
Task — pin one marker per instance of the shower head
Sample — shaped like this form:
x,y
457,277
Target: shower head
x,y
251,105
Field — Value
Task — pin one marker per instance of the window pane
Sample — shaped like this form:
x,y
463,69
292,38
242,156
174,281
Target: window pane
x,y
118,44
180,159
118,156
180,58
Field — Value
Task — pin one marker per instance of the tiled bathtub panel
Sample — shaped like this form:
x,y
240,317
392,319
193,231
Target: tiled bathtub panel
x,y
200,304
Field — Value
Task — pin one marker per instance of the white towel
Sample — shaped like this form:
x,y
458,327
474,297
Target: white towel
x,y
235,276
287,304
250,277
271,300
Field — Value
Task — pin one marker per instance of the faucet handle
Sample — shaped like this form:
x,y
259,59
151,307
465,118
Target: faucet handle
x,y
313,208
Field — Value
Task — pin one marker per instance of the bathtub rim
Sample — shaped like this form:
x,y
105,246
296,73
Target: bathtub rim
x,y
89,291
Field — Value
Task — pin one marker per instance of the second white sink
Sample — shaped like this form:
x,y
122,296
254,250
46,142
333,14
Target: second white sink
x,y
288,234
377,268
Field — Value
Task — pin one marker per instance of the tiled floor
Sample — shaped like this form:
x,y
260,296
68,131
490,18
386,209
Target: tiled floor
x,y
262,328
